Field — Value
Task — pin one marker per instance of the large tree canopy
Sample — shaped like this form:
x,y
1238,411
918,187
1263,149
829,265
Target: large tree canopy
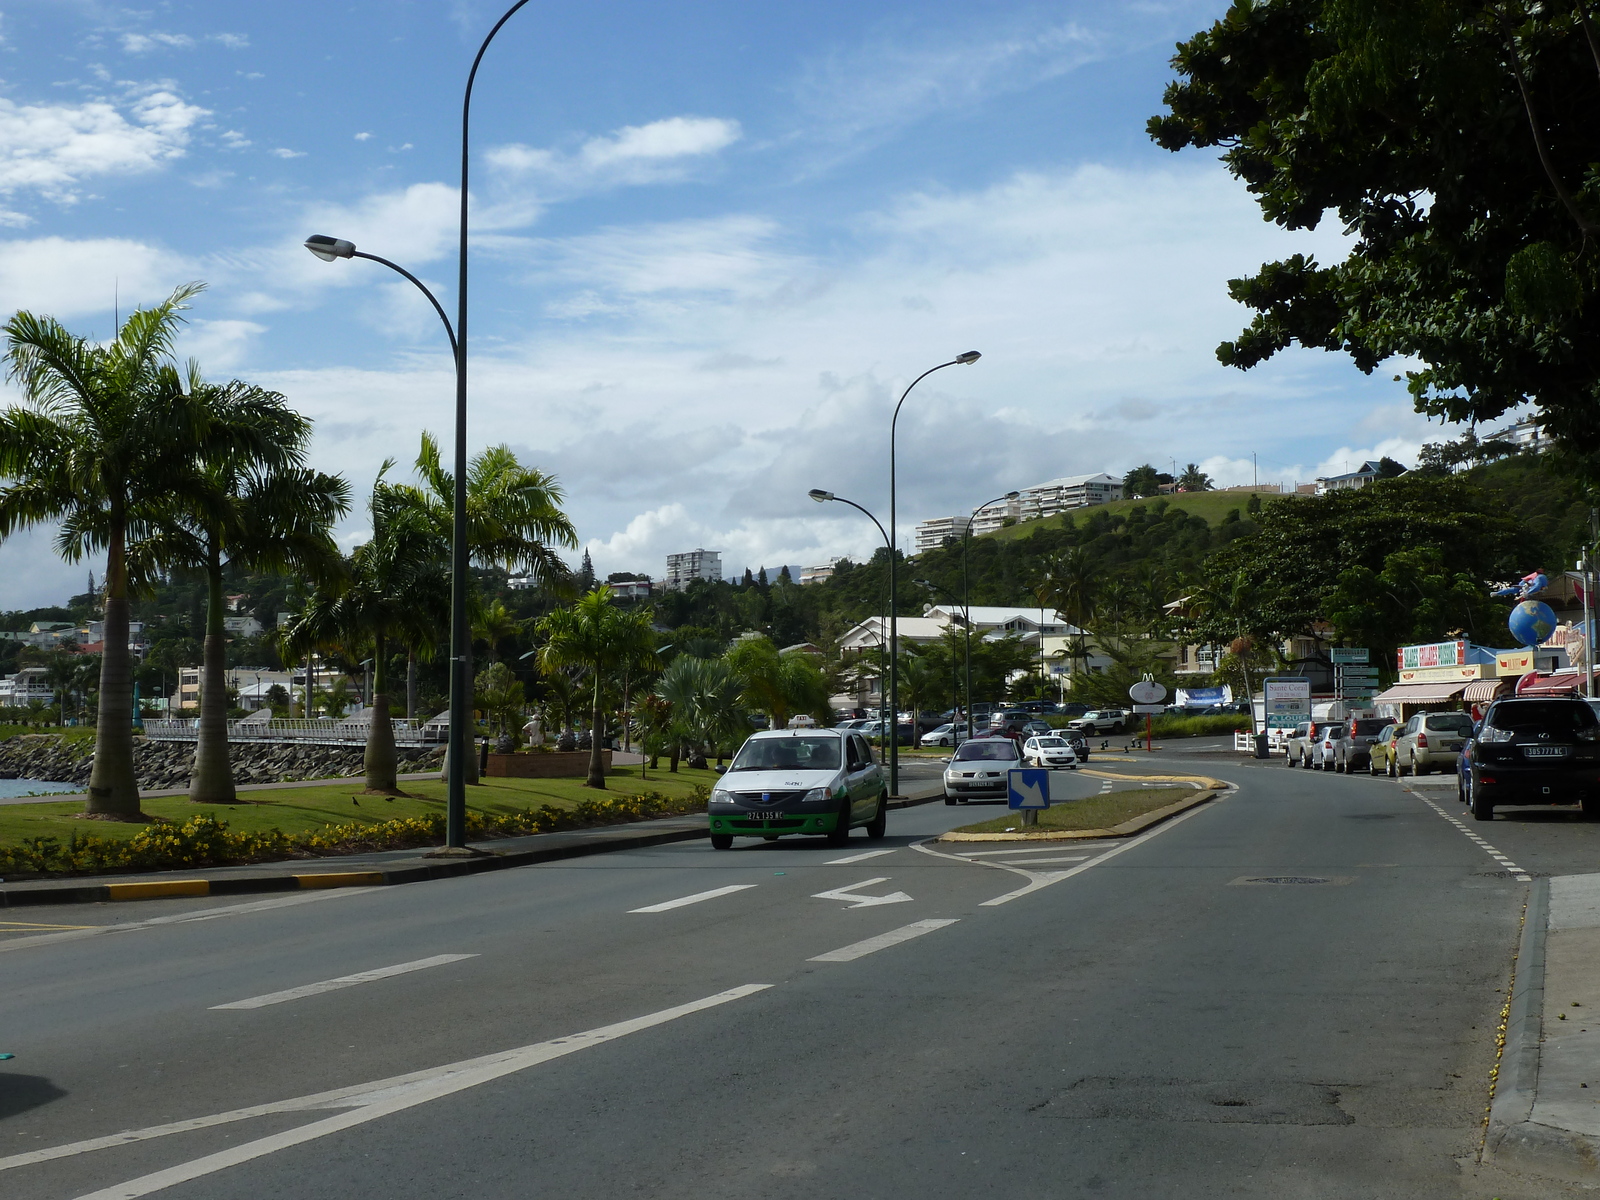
x,y
1456,140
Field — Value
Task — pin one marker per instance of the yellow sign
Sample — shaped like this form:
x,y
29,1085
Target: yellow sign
x,y
1514,662
1444,674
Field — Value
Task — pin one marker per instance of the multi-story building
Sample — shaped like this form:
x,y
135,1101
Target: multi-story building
x,y
629,589
818,574
1049,498
932,532
1360,477
691,565
26,686
242,626
1524,435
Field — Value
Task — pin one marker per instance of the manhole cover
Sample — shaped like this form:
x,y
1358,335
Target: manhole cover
x,y
1290,880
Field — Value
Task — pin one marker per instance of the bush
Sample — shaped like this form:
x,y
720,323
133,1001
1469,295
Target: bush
x,y
204,841
1176,727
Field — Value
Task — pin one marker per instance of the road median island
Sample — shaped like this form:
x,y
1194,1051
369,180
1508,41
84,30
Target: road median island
x,y
1114,814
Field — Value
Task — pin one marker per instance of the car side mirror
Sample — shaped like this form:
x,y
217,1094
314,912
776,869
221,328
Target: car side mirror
x,y
720,770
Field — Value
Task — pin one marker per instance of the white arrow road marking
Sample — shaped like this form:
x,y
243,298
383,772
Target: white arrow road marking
x,y
855,858
667,905
848,893
369,1101
344,981
882,942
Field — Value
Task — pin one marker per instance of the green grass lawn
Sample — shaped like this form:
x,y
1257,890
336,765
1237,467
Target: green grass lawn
x,y
300,809
71,733
1098,812
1211,506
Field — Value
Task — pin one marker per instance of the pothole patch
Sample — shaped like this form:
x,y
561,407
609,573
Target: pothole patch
x,y
1291,880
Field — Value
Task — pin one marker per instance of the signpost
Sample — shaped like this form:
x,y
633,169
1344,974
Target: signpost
x,y
1352,682
1349,654
1147,696
1287,700
1027,791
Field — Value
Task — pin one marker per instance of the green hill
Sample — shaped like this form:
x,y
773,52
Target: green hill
x,y
1211,507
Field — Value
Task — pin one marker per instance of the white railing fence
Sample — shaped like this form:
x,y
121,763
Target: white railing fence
x,y
319,733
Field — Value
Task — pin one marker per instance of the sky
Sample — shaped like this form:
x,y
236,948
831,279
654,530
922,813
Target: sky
x,y
711,244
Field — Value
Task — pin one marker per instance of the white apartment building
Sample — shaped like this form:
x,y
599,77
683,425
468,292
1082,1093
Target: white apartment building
x,y
242,626
818,574
932,532
26,686
1048,499
683,568
630,589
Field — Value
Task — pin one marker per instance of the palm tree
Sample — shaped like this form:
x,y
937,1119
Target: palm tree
x,y
777,684
103,436
389,586
251,505
1071,583
597,635
705,695
494,624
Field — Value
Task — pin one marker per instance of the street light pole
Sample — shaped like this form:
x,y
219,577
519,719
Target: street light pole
x,y
964,359
966,592
822,497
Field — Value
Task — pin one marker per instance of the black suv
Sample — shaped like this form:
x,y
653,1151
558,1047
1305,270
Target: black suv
x,y
1533,752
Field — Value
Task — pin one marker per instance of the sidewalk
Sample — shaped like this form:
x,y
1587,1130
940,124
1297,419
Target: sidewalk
x,y
379,868
1545,1119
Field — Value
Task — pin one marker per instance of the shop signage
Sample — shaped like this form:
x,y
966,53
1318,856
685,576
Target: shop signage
x,y
1433,654
1287,701
1514,662
1440,674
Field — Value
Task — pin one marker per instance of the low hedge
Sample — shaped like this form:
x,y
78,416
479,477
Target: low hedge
x,y
1178,727
205,841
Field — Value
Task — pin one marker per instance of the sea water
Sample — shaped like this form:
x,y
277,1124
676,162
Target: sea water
x,y
34,787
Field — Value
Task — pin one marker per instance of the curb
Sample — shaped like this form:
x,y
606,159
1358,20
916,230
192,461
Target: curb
x,y
1134,825
1513,1140
411,872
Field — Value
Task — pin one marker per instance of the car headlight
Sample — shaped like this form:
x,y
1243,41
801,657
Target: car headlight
x,y
814,795
720,795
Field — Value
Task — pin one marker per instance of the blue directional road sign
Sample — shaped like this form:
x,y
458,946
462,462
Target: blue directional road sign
x,y
1029,787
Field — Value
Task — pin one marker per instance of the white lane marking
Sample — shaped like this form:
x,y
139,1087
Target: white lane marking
x,y
343,981
199,914
1053,849
848,892
1043,879
681,901
855,858
1041,862
882,942
367,1101
1521,875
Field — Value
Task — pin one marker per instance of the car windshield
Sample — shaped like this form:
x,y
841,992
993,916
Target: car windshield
x,y
1051,743
1553,716
1375,725
1455,722
995,748
788,754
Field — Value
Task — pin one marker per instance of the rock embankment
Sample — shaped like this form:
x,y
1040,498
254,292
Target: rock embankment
x,y
163,765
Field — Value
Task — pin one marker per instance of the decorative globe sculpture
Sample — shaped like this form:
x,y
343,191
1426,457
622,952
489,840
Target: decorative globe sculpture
x,y
1532,622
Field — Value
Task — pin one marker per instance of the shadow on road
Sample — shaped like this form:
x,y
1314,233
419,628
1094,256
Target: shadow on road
x,y
19,1093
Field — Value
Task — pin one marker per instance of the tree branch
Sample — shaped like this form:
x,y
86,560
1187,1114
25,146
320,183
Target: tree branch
x,y
1566,197
1588,31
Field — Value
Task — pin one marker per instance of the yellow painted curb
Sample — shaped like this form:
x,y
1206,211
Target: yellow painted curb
x,y
1126,829
164,887
333,879
1202,780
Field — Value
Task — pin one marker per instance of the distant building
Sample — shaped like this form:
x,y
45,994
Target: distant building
x,y
629,589
1360,477
691,565
1524,435
26,686
818,574
932,532
245,626
1048,499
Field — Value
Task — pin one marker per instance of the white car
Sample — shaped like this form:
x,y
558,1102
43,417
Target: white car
x,y
980,770
945,735
1048,750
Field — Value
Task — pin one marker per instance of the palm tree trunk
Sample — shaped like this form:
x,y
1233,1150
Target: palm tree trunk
x,y
411,683
380,757
113,782
597,770
211,781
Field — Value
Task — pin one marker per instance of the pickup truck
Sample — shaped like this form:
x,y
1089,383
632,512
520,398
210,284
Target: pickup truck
x,y
1099,720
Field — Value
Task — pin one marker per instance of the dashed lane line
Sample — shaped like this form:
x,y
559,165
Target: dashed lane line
x,y
343,981
855,858
683,901
882,942
1056,849
1521,875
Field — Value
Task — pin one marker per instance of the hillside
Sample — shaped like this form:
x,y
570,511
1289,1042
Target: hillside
x,y
1211,507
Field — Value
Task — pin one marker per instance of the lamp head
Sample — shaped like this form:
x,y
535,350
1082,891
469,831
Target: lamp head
x,y
971,356
328,248
1012,495
819,495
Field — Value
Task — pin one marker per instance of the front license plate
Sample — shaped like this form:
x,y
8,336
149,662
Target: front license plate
x,y
766,816
1545,751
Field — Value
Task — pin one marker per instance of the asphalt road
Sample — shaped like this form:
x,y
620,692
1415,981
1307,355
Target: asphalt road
x,y
1290,992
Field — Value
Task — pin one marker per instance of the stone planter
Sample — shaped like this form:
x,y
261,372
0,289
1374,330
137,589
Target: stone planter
x,y
557,764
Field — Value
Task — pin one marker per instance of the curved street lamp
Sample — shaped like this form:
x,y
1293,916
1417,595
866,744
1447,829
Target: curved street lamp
x,y
329,249
822,497
964,359
460,631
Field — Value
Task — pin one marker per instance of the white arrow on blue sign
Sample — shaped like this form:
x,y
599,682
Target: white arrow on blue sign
x,y
1028,787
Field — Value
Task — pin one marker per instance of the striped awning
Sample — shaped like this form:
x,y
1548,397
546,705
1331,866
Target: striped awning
x,y
1564,684
1421,693
1481,691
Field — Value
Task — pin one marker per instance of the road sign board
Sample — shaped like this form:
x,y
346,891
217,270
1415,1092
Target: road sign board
x,y
1360,693
1152,709
1357,672
1349,654
1147,691
1028,787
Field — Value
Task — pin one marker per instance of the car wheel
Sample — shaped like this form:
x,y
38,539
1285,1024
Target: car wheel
x,y
1420,768
1482,810
1591,807
944,741
879,825
1372,765
840,833
722,841
949,799
1391,769
1341,767
1288,760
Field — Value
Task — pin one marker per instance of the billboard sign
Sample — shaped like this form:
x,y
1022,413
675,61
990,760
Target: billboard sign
x,y
1287,700
1433,654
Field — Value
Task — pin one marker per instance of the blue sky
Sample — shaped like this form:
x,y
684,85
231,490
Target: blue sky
x,y
712,241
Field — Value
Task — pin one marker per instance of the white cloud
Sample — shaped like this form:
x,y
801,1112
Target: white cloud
x,y
362,137
636,154
219,345
54,148
283,153
233,41
143,43
70,279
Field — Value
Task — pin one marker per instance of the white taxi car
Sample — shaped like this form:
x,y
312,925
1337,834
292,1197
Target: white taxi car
x,y
1049,750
